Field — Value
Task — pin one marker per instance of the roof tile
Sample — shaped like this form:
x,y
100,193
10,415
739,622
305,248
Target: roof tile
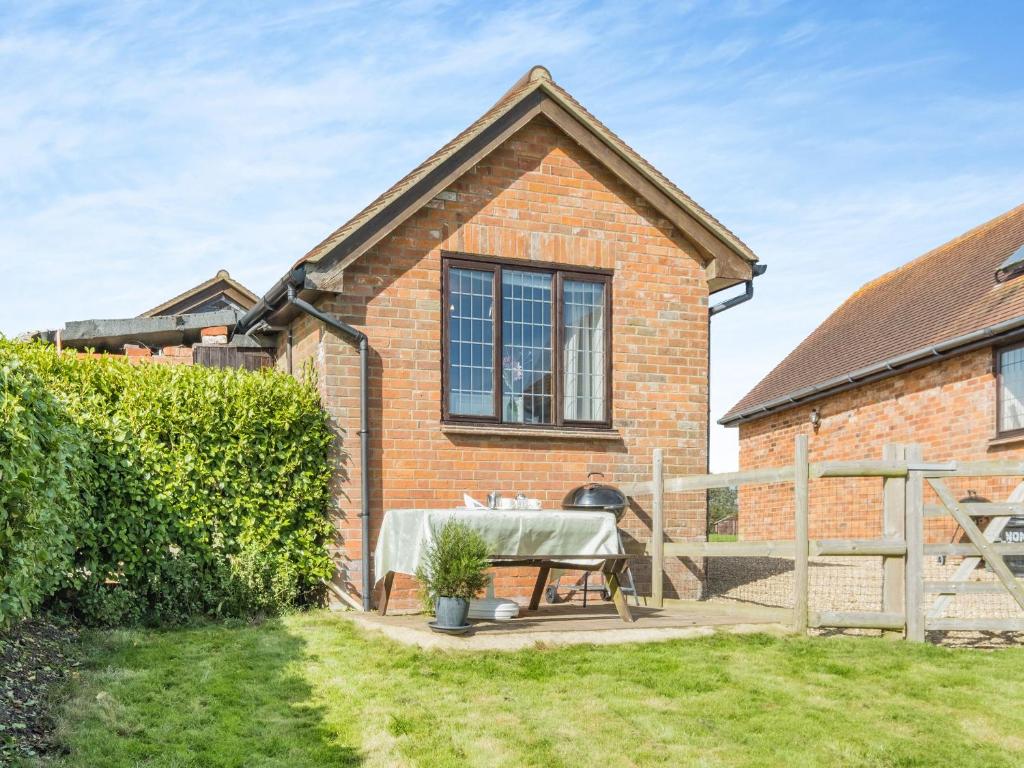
x,y
941,295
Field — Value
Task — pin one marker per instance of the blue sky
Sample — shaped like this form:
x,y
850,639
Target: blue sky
x,y
146,145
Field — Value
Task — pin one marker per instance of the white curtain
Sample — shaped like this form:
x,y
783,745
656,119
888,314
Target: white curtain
x,y
1011,383
583,352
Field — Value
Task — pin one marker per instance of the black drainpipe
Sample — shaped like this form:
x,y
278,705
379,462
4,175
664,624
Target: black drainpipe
x,y
748,293
356,337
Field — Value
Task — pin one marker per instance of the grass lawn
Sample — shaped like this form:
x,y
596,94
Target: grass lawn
x,y
722,537
310,690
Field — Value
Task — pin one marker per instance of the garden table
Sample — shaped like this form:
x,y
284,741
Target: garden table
x,y
544,539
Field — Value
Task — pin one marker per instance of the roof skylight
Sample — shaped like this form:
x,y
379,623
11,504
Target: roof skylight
x,y
1012,267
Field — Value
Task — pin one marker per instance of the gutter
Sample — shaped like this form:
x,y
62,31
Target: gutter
x,y
748,292
903,363
270,301
284,292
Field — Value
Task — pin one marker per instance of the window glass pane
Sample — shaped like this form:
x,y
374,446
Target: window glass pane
x,y
583,351
526,385
1011,389
471,331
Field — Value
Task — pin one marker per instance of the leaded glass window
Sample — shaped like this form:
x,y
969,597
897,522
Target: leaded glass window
x,y
526,385
471,352
525,345
583,353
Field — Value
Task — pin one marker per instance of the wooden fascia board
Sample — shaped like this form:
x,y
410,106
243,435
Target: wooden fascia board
x,y
724,263
716,284
710,247
713,227
426,189
181,298
730,267
182,303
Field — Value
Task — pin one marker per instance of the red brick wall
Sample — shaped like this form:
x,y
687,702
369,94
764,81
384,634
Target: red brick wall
x,y
948,408
134,353
537,197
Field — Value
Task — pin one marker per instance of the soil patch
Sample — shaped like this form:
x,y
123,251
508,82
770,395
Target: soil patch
x,y
36,657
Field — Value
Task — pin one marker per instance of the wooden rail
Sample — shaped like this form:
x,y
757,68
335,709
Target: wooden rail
x,y
706,482
964,587
857,620
977,625
778,548
801,527
902,546
730,548
894,530
977,509
658,524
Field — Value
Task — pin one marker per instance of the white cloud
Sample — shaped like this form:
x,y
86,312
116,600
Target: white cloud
x,y
145,145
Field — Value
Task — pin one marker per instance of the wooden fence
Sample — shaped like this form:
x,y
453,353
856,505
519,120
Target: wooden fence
x,y
902,546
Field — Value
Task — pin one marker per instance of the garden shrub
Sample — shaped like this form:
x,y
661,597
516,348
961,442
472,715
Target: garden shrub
x,y
198,484
455,564
41,458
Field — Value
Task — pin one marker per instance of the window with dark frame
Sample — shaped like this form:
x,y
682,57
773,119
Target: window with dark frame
x,y
526,345
1010,390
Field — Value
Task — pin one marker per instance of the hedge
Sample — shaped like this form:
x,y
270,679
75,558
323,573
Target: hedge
x,y
187,491
41,461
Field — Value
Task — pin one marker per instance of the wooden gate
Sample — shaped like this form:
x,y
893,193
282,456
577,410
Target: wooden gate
x,y
980,546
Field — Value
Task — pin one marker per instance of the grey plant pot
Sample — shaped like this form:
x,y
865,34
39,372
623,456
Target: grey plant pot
x,y
451,612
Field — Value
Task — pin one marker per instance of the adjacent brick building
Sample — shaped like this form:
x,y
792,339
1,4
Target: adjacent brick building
x,y
535,304
930,353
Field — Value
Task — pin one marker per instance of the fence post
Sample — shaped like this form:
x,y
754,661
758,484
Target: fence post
x,y
894,517
801,564
915,549
658,530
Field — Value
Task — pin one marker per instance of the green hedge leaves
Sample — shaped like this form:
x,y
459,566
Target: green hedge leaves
x,y
42,458
184,490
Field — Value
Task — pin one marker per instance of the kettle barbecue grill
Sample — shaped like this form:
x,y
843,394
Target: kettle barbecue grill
x,y
597,497
594,497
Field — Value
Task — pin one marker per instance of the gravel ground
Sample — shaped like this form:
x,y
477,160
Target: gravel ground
x,y
35,658
854,584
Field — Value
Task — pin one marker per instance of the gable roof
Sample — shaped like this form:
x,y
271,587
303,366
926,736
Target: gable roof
x,y
937,303
534,93
219,292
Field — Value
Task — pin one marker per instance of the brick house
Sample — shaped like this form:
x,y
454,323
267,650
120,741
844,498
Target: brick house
x,y
931,353
530,305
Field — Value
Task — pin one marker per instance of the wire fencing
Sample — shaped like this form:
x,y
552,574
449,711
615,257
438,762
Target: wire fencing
x,y
898,546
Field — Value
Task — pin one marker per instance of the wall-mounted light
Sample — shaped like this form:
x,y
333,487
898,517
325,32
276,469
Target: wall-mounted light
x,y
815,420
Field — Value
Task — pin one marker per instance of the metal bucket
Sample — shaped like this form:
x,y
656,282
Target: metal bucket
x,y
451,612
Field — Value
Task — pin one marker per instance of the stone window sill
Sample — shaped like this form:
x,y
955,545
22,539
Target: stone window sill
x,y
551,433
997,442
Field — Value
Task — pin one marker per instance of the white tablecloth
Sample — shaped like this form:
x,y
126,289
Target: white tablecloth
x,y
406,534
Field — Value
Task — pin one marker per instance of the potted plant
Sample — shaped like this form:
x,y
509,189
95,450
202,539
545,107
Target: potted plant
x,y
453,572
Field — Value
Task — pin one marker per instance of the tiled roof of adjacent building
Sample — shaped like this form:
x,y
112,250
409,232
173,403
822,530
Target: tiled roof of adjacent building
x,y
944,295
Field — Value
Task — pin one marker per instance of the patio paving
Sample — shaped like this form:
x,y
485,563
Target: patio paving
x,y
556,625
